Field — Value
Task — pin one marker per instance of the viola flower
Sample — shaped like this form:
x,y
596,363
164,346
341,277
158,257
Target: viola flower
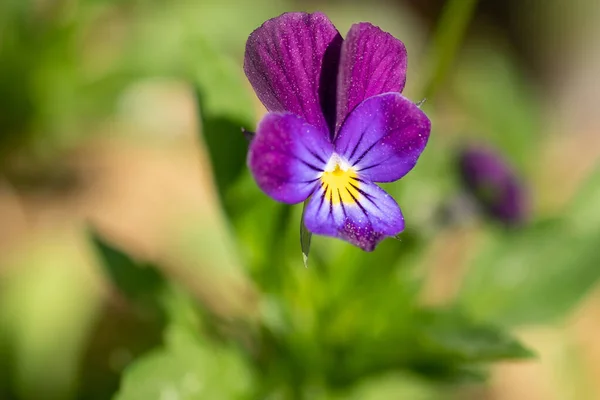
x,y
491,182
337,123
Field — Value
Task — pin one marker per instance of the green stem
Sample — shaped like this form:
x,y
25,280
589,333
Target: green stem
x,y
274,274
446,40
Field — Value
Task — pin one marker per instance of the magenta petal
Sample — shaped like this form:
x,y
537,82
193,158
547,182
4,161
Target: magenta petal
x,y
372,62
383,137
287,155
291,62
373,216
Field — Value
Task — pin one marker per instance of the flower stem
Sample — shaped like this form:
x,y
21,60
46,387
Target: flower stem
x,y
447,38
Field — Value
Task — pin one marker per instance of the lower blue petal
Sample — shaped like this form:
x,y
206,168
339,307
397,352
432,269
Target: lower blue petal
x,y
367,218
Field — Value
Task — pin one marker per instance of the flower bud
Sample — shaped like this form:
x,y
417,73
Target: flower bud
x,y
487,177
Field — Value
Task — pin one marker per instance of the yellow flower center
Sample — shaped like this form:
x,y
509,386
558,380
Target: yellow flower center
x,y
340,183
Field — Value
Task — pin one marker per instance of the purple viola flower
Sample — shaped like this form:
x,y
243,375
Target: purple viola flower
x,y
337,123
489,180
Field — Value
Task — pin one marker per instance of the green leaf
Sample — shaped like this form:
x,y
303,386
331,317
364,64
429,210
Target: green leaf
x,y
450,347
540,273
137,280
227,148
188,368
446,42
393,386
441,345
225,109
584,214
533,276
499,101
49,308
181,48
452,335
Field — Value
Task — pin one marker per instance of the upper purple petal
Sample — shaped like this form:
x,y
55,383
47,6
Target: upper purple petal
x,y
287,155
383,137
372,215
291,62
372,62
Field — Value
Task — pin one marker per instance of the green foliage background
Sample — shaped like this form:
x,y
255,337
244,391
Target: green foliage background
x,y
350,326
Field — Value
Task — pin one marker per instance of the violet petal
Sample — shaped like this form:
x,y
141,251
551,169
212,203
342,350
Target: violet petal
x,y
368,218
372,62
291,62
287,155
383,137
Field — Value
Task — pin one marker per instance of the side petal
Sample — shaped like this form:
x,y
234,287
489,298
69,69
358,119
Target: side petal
x,y
292,62
383,137
372,62
287,157
363,216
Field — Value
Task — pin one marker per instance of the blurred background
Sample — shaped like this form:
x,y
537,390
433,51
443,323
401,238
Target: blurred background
x,y
138,259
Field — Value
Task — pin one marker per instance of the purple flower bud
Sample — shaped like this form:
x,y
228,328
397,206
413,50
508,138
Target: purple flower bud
x,y
492,183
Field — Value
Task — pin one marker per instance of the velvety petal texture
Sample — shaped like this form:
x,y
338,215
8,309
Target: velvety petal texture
x,y
383,137
291,62
287,157
372,62
337,124
368,217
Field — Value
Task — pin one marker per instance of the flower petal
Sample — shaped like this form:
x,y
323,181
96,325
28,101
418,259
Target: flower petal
x,y
287,156
372,62
383,137
292,61
365,220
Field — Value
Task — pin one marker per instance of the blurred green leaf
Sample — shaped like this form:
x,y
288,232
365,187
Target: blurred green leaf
x,y
182,48
533,276
441,345
124,333
267,233
498,100
584,213
448,37
538,274
450,334
228,29
187,369
393,386
51,89
138,281
225,108
450,347
48,309
226,147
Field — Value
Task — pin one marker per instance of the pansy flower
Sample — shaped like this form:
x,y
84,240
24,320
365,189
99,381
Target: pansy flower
x,y
337,123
